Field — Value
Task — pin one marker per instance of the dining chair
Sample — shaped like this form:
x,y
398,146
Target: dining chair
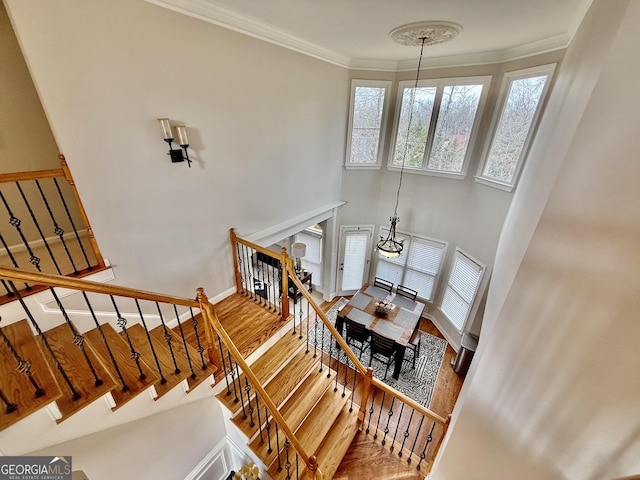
x,y
414,347
384,284
406,292
358,333
382,349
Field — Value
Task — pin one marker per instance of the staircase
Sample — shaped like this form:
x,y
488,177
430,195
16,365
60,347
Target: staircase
x,y
321,415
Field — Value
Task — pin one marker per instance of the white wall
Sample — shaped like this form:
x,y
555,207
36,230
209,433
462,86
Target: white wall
x,y
260,119
553,392
164,446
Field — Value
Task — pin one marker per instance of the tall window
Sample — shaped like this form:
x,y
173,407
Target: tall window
x,y
418,265
462,286
521,99
444,120
366,122
312,260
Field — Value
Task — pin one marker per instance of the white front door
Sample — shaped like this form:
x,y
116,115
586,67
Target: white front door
x,y
355,253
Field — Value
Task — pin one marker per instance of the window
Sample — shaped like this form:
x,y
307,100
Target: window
x,y
444,121
418,265
521,99
312,260
366,123
462,286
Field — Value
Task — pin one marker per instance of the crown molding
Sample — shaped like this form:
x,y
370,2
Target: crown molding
x,y
233,20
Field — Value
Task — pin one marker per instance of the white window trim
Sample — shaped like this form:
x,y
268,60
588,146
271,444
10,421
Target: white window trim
x,y
476,296
411,236
484,80
507,80
386,84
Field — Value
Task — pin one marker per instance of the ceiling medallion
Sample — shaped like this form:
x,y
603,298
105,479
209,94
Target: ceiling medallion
x,y
411,35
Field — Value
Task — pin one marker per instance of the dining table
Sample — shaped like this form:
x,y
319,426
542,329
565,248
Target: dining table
x,y
398,324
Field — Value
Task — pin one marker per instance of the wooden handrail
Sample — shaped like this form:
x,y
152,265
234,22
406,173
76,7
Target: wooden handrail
x,y
210,315
33,175
90,286
408,401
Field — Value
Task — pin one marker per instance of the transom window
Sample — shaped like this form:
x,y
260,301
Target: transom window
x,y
418,265
366,123
520,101
462,286
444,121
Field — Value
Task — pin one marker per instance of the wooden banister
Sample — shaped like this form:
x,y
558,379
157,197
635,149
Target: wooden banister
x,y
32,175
408,401
210,314
90,286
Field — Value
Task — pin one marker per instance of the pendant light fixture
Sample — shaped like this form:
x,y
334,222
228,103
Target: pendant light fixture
x,y
423,33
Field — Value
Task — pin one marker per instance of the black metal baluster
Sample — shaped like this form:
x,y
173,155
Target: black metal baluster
x,y
315,339
247,278
153,350
11,407
426,445
346,371
16,223
125,387
240,265
194,323
393,441
78,340
330,356
287,464
233,378
300,323
297,466
6,287
186,348
353,388
390,414
259,420
74,393
337,375
373,397
271,276
122,323
37,225
267,427
73,225
322,349
15,264
240,389
23,366
168,338
56,227
278,448
247,388
224,366
406,433
375,435
415,440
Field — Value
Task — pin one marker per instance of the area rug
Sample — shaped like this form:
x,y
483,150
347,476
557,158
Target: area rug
x,y
416,383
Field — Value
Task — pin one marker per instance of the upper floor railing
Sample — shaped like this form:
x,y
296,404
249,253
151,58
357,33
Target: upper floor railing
x,y
43,225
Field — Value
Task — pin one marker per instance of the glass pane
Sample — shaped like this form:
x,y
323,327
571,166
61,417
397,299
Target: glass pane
x,y
421,118
420,282
425,256
455,308
464,278
513,128
354,260
389,271
367,118
458,109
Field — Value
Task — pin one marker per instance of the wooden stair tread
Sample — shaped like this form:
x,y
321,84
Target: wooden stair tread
x,y
127,366
315,427
336,444
278,389
265,366
201,374
295,409
140,343
15,385
75,366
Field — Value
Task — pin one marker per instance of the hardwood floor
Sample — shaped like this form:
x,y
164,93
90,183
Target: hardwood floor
x,y
249,325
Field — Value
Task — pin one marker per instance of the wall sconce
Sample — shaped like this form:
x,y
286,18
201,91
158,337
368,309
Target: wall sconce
x,y
176,154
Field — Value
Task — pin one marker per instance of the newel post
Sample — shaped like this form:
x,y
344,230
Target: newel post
x,y
366,387
206,309
284,260
234,254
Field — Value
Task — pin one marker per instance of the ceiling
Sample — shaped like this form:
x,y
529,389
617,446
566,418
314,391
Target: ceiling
x,y
355,33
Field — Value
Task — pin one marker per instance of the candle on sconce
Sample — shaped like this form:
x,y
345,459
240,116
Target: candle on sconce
x,y
182,136
166,129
